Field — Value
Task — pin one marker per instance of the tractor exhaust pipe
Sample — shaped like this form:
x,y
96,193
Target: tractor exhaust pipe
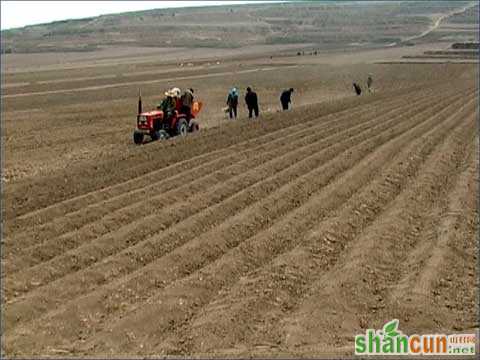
x,y
139,102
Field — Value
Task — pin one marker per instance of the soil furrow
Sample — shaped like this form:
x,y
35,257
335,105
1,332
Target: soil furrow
x,y
426,287
391,134
140,162
109,269
119,191
124,215
39,215
370,264
259,301
283,235
177,303
148,226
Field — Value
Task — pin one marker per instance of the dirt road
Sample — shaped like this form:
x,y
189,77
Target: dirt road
x,y
436,23
285,236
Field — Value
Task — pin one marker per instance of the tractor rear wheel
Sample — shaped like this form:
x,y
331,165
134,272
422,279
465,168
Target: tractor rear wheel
x,y
137,137
182,127
194,127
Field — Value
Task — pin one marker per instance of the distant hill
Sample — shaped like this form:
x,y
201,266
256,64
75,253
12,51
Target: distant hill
x,y
329,24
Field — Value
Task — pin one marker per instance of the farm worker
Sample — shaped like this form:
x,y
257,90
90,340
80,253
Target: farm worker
x,y
357,88
187,102
176,96
251,100
285,98
232,102
370,83
168,104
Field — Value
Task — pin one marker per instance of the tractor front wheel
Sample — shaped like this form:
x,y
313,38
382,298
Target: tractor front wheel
x,y
182,127
194,127
137,137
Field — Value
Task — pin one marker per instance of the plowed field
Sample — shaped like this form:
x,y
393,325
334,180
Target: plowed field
x,y
284,236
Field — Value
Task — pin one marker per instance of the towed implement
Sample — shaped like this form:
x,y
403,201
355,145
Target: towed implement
x,y
158,126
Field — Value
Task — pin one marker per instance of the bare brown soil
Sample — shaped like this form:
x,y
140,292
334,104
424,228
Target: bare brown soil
x,y
102,60
283,236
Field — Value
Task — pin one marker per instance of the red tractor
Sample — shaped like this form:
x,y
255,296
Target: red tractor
x,y
157,126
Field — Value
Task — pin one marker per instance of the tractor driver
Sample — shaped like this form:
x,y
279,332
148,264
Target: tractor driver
x,y
176,96
168,104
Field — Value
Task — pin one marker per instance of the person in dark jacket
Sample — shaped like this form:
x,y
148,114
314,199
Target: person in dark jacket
x,y
168,104
232,102
358,89
251,100
286,98
187,102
